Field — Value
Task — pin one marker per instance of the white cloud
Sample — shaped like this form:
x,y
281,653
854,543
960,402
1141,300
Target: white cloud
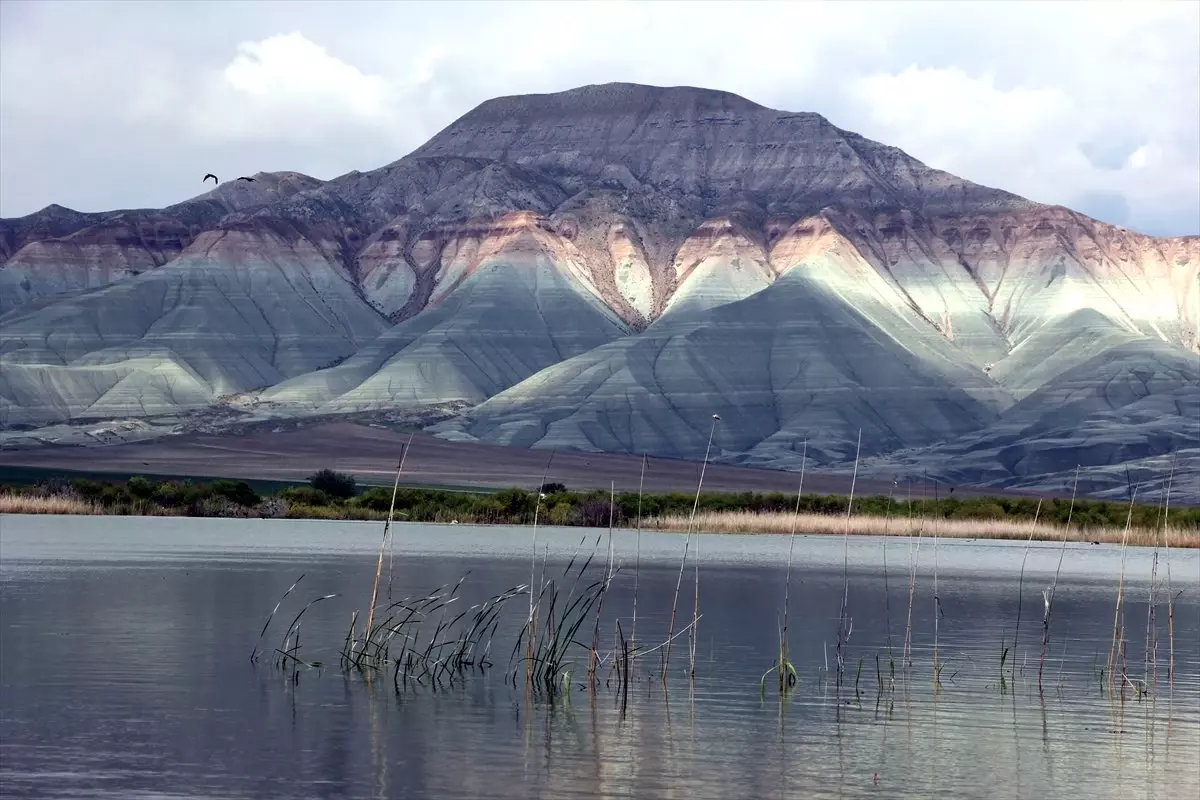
x,y
287,87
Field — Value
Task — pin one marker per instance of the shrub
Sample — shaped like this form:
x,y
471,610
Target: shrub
x,y
553,488
560,514
333,484
141,488
238,492
304,496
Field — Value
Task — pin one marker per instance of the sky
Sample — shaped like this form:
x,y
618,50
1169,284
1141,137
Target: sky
x,y
105,105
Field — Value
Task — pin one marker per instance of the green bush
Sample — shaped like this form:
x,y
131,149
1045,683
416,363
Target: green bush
x,y
304,496
334,484
238,492
141,488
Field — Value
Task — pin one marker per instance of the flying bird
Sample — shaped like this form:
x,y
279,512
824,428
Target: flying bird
x,y
210,175
244,178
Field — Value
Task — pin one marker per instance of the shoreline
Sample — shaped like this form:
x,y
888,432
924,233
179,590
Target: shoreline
x,y
735,523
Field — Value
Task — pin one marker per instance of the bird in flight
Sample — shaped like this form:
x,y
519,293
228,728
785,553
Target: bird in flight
x,y
210,175
244,178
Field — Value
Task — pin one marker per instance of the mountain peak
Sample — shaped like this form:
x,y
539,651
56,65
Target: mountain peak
x,y
612,98
715,148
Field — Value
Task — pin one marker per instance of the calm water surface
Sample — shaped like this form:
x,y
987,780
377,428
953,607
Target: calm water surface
x,y
124,671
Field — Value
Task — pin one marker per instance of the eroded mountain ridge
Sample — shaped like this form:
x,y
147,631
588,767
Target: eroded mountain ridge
x,y
606,267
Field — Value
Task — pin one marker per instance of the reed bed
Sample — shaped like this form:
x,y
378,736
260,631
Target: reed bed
x,y
862,524
23,504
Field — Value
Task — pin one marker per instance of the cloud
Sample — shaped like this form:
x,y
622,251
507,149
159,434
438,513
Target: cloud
x,y
1060,102
287,87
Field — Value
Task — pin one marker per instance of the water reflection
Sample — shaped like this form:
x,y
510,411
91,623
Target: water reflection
x,y
123,673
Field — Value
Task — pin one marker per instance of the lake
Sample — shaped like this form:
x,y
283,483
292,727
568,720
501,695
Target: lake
x,y
125,668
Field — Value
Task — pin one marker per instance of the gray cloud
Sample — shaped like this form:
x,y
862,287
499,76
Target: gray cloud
x,y
107,105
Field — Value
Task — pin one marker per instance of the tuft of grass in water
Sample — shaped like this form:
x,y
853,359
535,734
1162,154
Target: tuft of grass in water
x,y
271,616
557,621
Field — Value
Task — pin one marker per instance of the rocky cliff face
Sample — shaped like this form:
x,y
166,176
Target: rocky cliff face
x,y
605,268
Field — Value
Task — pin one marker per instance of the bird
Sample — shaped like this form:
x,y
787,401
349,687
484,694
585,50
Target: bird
x,y
210,175
244,178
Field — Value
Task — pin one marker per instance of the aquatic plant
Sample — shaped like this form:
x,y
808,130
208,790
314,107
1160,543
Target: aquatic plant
x,y
683,563
785,670
1118,636
637,563
1048,596
844,626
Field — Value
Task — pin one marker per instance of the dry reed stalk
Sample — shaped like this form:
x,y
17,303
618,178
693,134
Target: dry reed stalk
x,y
1048,598
1118,627
937,600
383,543
843,632
531,623
695,608
391,511
887,600
1170,594
914,558
594,656
1021,592
533,547
637,562
784,661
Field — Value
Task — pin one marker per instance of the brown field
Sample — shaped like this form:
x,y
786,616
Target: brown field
x,y
370,454
751,522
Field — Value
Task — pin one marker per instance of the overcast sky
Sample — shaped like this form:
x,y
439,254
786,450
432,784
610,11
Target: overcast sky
x,y
108,105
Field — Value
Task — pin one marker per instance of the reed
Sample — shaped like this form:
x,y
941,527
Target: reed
x,y
457,643
887,598
937,600
387,526
786,672
12,503
546,642
637,562
843,633
683,564
1020,598
1048,596
531,622
1170,594
594,656
271,616
914,558
1116,654
695,634
809,524
391,513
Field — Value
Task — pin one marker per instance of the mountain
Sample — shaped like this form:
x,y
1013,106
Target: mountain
x,y
605,268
